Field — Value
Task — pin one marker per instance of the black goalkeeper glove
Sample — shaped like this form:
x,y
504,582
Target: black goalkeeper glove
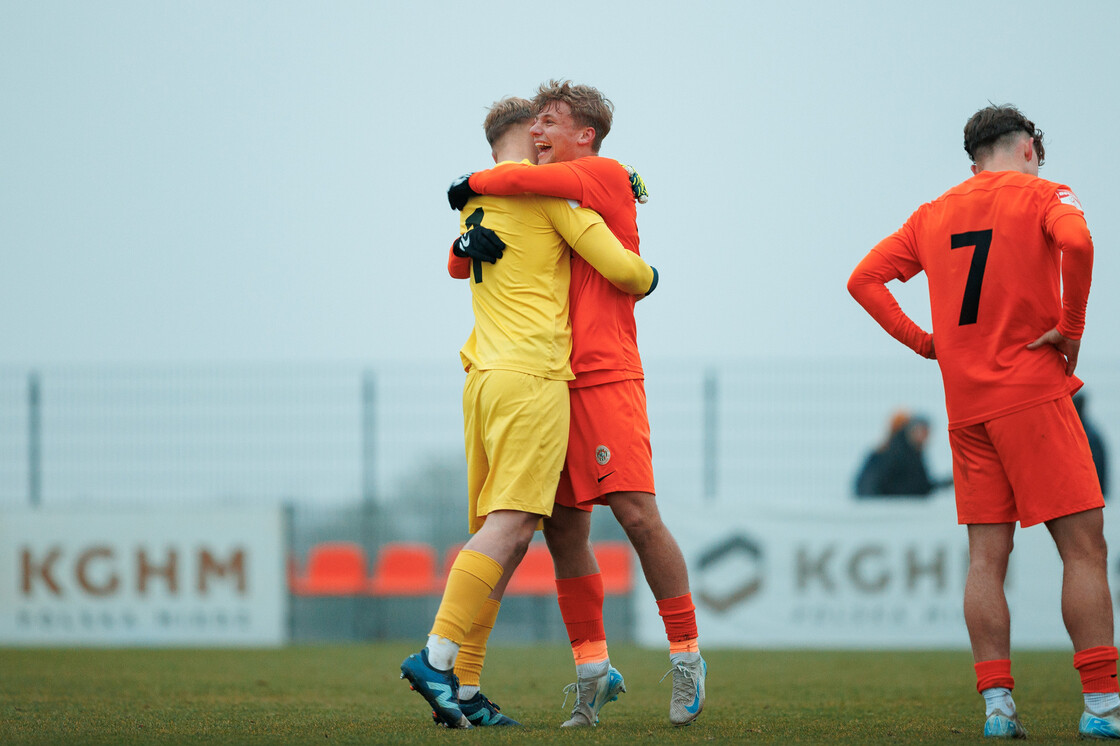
x,y
460,191
479,243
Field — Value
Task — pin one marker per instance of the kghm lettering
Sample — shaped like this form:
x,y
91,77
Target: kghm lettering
x,y
101,571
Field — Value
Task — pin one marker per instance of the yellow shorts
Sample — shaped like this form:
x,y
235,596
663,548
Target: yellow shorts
x,y
516,431
1029,466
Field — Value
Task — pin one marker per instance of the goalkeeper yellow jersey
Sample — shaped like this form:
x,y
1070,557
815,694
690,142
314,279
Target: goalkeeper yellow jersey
x,y
521,301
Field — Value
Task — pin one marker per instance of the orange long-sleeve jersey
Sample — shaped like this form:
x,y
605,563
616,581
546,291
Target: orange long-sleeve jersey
x,y
1008,257
604,332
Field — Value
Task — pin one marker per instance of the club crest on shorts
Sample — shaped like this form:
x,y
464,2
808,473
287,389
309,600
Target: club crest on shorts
x,y
602,455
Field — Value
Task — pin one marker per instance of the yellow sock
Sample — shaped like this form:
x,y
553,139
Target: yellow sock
x,y
468,666
472,578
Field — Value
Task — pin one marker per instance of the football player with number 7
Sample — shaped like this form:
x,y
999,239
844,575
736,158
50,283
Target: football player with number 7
x,y
1008,258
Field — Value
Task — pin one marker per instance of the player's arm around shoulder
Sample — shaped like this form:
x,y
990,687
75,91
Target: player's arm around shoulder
x,y
550,180
626,270
587,234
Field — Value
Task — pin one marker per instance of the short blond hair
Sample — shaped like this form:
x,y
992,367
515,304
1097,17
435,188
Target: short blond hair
x,y
504,114
589,107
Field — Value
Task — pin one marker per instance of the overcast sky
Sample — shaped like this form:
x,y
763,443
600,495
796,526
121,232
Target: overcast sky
x,y
264,181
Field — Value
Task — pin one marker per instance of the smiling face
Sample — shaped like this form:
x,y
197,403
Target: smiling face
x,y
558,137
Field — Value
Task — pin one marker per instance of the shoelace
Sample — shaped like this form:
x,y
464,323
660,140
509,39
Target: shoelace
x,y
573,687
589,684
681,684
488,703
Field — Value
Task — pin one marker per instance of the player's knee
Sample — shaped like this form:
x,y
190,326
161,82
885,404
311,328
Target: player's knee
x,y
556,534
1092,549
567,547
640,528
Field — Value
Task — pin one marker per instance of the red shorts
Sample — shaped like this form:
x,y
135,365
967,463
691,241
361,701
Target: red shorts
x,y
1029,466
608,444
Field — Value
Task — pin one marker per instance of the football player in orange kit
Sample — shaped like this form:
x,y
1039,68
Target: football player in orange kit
x,y
1008,258
609,458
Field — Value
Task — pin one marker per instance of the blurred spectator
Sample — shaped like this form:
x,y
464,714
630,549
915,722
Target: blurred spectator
x,y
1096,442
898,466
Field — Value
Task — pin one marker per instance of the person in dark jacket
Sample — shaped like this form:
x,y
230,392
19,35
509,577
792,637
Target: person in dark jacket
x,y
1096,442
898,466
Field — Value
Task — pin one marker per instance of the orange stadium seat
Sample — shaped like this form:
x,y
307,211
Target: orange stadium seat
x,y
534,576
334,568
616,563
405,569
448,560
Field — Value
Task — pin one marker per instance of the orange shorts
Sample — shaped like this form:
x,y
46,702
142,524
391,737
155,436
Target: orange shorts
x,y
608,444
1029,466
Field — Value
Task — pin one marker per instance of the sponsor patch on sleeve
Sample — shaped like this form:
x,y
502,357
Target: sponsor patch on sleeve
x,y
1066,197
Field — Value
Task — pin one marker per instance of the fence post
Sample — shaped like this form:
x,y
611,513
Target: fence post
x,y
369,417
711,427
34,440
361,608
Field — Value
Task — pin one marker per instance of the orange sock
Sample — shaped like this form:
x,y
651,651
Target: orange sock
x,y
993,673
679,616
473,576
685,646
1097,667
590,651
581,605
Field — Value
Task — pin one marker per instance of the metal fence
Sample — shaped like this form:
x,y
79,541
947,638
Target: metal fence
x,y
319,436
374,454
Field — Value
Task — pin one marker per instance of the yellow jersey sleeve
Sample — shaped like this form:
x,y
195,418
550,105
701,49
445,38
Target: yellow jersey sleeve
x,y
587,234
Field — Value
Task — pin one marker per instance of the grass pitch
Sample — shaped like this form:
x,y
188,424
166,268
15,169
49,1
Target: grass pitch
x,y
352,694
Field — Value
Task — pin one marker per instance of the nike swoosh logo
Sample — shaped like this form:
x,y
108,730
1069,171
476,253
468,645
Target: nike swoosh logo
x,y
604,476
692,708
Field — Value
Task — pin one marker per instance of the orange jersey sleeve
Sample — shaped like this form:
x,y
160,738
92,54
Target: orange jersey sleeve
x,y
1071,235
868,286
458,267
550,180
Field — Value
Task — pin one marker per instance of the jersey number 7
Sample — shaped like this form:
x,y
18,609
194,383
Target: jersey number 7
x,y
982,240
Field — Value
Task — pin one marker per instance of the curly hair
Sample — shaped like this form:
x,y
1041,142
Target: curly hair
x,y
589,107
504,114
997,125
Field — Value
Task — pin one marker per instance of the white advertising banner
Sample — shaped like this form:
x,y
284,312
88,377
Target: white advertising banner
x,y
142,577
865,574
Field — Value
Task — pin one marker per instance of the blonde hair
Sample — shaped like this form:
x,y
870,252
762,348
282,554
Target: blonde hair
x,y
504,114
589,107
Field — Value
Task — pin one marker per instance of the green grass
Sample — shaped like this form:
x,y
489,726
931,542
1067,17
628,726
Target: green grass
x,y
352,694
